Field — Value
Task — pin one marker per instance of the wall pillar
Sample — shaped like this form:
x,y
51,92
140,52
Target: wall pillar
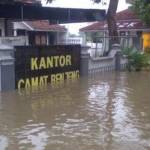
x,y
7,68
116,51
118,61
84,63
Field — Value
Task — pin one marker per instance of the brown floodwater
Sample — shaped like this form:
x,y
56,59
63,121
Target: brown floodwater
x,y
109,111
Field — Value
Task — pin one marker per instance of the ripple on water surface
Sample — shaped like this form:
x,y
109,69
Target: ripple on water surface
x,y
106,112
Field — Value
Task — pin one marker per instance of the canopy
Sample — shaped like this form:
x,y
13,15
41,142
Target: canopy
x,y
54,15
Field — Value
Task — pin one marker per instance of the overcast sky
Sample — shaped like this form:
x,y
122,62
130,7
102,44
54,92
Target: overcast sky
x,y
73,28
84,4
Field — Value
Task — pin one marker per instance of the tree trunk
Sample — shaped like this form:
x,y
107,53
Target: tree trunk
x,y
111,21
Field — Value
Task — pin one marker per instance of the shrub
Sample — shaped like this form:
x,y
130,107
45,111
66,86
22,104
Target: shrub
x,y
147,50
137,60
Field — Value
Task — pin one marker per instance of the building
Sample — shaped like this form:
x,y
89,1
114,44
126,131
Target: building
x,y
146,35
130,28
40,32
32,33
129,1
30,2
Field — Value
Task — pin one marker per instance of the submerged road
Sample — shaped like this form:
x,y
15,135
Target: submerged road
x,y
106,112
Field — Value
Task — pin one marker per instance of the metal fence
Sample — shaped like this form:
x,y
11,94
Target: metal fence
x,y
101,45
71,40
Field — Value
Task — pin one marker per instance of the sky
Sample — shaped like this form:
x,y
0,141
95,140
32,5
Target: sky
x,y
73,28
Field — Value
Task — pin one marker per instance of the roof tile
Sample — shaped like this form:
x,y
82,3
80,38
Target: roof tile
x,y
45,26
125,20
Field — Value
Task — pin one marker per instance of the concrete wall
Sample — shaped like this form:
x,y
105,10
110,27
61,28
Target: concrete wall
x,y
114,62
7,68
61,37
14,41
20,25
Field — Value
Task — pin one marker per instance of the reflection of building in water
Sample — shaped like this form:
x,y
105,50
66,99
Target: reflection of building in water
x,y
108,112
110,96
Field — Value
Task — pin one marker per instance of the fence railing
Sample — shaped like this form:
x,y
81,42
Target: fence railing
x,y
72,41
105,64
108,63
102,64
14,41
102,45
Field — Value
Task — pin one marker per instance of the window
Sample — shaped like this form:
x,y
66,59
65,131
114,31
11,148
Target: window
x,y
122,33
37,40
20,32
40,39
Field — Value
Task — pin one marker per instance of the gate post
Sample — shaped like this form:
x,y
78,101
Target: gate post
x,y
118,61
84,62
7,68
116,53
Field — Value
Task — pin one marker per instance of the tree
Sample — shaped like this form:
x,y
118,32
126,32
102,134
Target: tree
x,y
111,20
142,9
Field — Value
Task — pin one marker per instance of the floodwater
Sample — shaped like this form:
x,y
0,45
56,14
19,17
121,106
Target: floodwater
x,y
110,111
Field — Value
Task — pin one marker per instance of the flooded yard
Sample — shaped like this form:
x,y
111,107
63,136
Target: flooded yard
x,y
109,111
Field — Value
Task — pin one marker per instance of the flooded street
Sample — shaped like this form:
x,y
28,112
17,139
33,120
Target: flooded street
x,y
110,111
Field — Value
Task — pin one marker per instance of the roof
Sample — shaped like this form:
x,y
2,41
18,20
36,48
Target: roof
x,y
33,2
126,14
94,27
29,1
55,15
121,25
43,25
126,20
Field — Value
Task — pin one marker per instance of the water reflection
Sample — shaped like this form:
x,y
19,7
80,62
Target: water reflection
x,y
34,134
107,112
3,142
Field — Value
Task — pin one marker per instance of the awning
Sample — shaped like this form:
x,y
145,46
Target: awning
x,y
54,15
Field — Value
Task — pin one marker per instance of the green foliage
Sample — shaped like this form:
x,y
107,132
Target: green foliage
x,y
137,61
146,61
147,50
142,9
